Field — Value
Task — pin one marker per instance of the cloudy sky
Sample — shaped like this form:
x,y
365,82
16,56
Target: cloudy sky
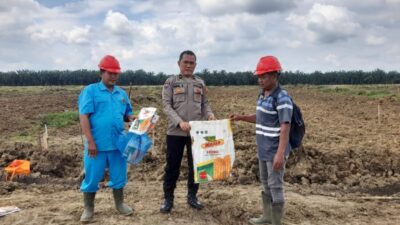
x,y
305,35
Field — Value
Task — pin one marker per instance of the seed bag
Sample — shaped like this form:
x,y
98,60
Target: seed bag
x,y
212,149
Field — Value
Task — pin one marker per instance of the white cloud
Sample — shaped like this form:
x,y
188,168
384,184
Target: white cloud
x,y
393,2
142,7
51,33
78,35
38,33
60,61
371,12
375,40
127,54
149,35
211,7
329,23
17,14
89,8
332,59
118,23
294,44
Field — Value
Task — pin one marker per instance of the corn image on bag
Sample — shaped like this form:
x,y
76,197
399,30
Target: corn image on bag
x,y
212,149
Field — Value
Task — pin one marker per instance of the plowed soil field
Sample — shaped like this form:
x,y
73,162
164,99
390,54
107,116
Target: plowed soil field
x,y
347,171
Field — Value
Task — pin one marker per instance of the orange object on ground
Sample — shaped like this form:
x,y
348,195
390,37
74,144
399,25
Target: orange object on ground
x,y
17,167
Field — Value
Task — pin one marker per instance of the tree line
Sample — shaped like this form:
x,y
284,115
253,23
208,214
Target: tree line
x,y
213,78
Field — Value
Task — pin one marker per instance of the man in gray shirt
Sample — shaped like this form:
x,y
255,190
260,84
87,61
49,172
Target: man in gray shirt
x,y
272,118
184,99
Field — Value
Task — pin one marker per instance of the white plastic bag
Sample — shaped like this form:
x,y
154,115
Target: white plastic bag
x,y
146,119
5,210
212,149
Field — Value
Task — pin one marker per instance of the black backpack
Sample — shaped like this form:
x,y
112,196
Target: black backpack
x,y
297,126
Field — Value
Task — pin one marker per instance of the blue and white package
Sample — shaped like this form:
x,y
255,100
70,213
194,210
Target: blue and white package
x,y
134,146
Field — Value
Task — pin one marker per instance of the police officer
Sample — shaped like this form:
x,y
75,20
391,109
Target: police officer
x,y
103,108
184,99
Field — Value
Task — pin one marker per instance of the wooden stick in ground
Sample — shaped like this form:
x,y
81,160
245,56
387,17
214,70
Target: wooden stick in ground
x,y
39,141
44,138
379,124
379,114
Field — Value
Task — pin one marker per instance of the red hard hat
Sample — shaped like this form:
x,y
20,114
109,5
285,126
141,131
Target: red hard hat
x,y
110,63
267,64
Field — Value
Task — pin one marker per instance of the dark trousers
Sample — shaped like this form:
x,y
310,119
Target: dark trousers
x,y
175,148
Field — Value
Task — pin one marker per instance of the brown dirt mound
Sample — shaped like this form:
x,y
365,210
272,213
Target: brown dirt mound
x,y
57,164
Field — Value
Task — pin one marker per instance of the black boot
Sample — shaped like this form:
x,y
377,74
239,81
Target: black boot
x,y
194,202
167,205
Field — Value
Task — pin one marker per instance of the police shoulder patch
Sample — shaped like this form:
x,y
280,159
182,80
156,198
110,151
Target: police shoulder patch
x,y
167,83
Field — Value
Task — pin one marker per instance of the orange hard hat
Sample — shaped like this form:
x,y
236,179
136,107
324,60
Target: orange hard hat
x,y
110,63
267,64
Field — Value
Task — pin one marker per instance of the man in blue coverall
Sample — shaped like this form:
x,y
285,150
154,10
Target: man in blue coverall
x,y
103,108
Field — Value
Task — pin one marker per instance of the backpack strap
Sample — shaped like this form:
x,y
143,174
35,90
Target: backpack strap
x,y
275,95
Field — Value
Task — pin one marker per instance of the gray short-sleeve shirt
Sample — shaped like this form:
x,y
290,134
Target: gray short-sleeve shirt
x,y
271,113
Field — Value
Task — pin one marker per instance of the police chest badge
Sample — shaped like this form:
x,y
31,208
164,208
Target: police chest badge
x,y
167,83
197,94
198,90
179,90
123,101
